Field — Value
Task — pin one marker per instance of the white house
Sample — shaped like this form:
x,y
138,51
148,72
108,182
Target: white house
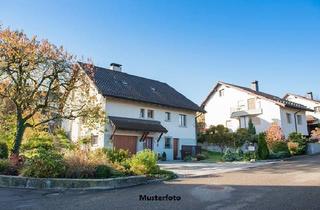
x,y
141,113
313,117
233,106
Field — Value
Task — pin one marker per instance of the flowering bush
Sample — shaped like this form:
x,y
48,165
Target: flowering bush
x,y
274,135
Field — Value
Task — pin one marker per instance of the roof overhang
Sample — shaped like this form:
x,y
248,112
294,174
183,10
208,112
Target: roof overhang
x,y
131,124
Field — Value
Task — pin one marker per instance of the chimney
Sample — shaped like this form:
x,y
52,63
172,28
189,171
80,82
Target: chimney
x,y
310,95
255,85
115,67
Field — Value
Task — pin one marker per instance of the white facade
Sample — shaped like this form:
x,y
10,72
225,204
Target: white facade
x,y
311,104
186,135
233,108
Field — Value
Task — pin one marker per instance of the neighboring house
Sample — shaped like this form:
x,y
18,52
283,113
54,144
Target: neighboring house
x,y
141,113
313,117
233,106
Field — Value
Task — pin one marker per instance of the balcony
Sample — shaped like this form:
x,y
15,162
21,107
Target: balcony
x,y
236,112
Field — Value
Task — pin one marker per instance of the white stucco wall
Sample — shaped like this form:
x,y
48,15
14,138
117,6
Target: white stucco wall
x,y
308,103
288,128
130,109
219,108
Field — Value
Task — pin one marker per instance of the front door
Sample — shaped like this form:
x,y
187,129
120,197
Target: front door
x,y
175,148
148,143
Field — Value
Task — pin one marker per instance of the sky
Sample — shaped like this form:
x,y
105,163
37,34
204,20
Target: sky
x,y
189,44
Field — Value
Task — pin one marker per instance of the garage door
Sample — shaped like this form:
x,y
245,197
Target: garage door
x,y
125,142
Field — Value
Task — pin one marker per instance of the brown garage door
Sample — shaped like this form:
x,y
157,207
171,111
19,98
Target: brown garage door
x,y
125,142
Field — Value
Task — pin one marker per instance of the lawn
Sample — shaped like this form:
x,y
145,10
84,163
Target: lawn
x,y
211,156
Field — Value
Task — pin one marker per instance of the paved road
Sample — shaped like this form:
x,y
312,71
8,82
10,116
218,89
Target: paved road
x,y
282,185
198,169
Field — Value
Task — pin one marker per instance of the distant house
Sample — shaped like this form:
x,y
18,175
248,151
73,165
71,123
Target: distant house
x,y
233,106
141,113
313,117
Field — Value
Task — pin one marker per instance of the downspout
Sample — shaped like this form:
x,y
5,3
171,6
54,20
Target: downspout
x,y
295,120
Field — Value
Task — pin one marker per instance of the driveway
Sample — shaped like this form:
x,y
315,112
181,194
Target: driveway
x,y
198,169
293,184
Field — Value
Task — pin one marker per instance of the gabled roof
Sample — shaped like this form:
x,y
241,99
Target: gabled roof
x,y
275,99
303,97
118,84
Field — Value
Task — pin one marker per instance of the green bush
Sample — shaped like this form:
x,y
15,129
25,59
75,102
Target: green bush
x,y
144,162
263,151
229,155
164,174
187,158
3,150
201,157
103,171
4,166
116,156
249,156
279,149
297,143
46,163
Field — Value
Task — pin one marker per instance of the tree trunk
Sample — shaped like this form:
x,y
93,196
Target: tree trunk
x,y
19,135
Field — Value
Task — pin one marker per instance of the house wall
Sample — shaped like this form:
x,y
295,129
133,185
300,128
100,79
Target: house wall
x,y
288,128
219,109
308,103
130,109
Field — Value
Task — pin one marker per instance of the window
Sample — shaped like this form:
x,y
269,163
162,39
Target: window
x,y
288,118
183,120
94,140
150,113
251,103
168,116
141,113
167,143
221,92
299,119
317,109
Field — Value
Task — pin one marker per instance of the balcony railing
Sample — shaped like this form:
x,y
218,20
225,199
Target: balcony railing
x,y
244,111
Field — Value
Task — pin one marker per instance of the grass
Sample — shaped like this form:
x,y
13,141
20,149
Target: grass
x,y
211,157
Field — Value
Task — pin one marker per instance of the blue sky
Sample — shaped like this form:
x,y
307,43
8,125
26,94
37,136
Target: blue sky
x,y
188,44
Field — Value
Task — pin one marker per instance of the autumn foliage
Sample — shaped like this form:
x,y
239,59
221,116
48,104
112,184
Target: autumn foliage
x,y
43,84
274,134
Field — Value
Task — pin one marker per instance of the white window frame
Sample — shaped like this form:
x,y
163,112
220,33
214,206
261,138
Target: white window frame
x,y
170,142
152,113
167,116
289,118
182,120
299,119
142,113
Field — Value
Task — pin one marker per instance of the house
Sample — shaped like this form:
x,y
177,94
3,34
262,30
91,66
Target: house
x,y
141,113
313,117
232,106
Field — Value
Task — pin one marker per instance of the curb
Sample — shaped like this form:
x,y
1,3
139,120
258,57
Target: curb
x,y
71,184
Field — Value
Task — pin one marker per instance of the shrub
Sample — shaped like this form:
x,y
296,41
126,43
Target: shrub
x,y
103,171
46,163
280,147
315,134
263,151
229,155
116,155
144,162
187,158
251,128
297,143
241,136
249,156
79,164
164,156
200,157
167,175
274,134
4,166
3,150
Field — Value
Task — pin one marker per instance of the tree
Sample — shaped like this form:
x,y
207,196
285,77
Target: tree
x,y
263,151
222,138
41,79
251,127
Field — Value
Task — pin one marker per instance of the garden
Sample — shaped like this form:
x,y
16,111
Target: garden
x,y
246,145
